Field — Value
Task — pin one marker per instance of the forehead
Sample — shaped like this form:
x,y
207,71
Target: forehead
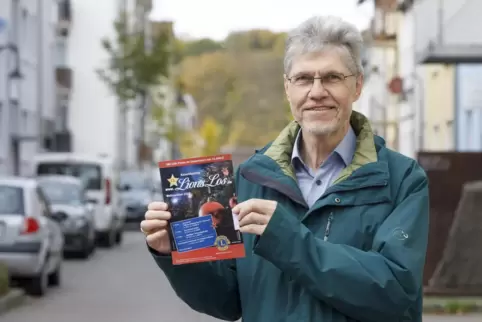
x,y
321,62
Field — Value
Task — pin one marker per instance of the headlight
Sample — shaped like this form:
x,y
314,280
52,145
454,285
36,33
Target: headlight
x,y
76,223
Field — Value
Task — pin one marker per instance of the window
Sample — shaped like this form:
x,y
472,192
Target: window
x,y
11,200
61,51
90,174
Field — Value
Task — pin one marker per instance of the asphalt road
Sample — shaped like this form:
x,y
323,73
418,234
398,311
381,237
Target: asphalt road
x,y
120,285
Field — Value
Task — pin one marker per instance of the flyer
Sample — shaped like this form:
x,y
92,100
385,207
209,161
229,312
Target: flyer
x,y
201,193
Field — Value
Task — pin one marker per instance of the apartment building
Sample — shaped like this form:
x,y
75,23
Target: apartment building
x,y
27,80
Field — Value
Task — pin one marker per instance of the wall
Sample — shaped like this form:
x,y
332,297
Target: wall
x,y
460,19
439,107
25,26
93,114
468,93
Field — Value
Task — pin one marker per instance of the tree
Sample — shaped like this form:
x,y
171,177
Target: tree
x,y
205,141
132,69
135,64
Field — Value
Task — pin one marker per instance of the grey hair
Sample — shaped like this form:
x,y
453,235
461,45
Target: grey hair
x,y
322,32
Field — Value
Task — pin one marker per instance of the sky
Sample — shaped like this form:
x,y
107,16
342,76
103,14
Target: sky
x,y
217,18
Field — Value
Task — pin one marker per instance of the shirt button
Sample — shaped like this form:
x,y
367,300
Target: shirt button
x,y
337,200
318,182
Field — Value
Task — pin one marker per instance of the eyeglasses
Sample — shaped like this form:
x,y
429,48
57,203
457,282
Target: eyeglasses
x,y
326,80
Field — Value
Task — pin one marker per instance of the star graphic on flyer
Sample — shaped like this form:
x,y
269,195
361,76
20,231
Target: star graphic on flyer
x,y
172,181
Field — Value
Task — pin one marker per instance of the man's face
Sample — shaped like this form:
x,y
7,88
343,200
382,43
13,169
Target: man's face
x,y
323,106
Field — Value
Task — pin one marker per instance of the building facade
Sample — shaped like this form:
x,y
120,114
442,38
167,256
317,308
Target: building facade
x,y
447,35
27,80
468,112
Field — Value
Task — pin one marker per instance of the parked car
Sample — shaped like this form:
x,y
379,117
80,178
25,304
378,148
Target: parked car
x,y
136,191
31,241
100,177
72,209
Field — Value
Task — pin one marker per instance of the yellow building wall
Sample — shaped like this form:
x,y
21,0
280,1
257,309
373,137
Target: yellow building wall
x,y
439,107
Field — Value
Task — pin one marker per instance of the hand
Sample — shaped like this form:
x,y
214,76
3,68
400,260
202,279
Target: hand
x,y
155,227
254,215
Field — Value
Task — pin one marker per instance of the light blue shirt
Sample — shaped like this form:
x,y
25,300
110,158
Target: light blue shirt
x,y
313,184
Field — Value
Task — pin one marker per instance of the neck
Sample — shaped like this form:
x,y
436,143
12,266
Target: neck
x,y
315,149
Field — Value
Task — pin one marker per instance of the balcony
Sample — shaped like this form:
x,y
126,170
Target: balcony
x,y
446,32
383,28
63,76
145,4
64,17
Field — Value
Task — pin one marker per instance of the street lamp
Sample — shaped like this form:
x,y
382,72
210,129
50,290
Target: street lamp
x,y
13,85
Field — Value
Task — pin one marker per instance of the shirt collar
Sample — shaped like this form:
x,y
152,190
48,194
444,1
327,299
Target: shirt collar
x,y
345,149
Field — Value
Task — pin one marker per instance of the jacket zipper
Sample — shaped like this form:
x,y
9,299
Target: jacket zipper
x,y
328,226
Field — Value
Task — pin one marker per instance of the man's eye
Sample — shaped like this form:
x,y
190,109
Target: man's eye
x,y
333,78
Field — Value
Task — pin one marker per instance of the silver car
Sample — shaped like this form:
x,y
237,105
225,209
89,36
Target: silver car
x,y
70,207
31,241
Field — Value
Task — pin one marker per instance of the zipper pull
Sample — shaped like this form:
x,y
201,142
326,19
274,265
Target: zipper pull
x,y
328,227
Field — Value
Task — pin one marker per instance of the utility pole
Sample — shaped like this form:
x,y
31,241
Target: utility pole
x,y
122,121
40,73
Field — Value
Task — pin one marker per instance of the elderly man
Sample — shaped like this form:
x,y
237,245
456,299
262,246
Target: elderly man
x,y
335,224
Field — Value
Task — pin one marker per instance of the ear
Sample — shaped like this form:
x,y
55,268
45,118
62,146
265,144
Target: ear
x,y
358,87
286,85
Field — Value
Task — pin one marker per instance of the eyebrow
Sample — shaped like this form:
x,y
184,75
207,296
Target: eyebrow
x,y
330,71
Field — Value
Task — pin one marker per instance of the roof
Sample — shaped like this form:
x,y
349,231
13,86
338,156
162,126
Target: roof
x,y
60,178
18,182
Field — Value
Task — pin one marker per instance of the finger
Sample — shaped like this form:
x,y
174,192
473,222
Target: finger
x,y
253,229
152,225
254,218
251,205
157,205
151,239
155,214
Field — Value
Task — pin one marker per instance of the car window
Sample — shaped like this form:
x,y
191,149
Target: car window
x,y
44,204
62,193
134,180
89,173
11,200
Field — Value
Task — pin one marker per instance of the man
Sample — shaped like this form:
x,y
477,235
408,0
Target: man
x,y
335,224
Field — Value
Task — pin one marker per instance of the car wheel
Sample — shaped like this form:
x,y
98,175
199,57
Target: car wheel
x,y
39,284
118,237
55,277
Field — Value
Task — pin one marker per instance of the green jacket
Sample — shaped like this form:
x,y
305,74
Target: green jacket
x,y
356,255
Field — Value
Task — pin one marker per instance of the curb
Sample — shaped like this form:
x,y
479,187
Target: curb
x,y
463,309
12,299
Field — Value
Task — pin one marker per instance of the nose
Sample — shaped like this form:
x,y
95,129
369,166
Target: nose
x,y
317,91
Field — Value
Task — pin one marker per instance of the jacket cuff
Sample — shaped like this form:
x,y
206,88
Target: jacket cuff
x,y
280,226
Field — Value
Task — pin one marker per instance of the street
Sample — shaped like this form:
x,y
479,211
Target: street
x,y
120,285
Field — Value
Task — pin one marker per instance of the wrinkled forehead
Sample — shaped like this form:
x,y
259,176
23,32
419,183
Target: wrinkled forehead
x,y
319,63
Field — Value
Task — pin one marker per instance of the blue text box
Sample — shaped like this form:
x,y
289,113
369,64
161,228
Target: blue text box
x,y
194,233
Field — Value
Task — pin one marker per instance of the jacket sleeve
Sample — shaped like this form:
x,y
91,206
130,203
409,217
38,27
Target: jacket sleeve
x,y
210,287
377,285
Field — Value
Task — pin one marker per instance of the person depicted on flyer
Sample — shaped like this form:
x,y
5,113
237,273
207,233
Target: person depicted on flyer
x,y
335,224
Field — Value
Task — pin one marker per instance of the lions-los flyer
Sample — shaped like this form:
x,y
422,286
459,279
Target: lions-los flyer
x,y
200,193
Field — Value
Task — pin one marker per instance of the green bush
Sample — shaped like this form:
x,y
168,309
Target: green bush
x,y
4,279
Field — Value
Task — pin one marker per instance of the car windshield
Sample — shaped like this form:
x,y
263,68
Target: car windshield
x,y
90,174
62,193
134,180
11,200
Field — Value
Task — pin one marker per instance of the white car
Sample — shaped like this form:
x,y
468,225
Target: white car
x,y
100,177
31,241
70,208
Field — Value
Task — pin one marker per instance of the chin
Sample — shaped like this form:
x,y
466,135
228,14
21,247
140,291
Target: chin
x,y
321,127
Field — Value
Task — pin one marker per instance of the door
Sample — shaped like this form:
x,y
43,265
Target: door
x,y
55,234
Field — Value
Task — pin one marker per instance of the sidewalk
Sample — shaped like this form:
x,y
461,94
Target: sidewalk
x,y
12,299
453,305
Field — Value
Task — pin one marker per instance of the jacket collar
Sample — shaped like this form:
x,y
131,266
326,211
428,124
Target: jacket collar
x,y
281,149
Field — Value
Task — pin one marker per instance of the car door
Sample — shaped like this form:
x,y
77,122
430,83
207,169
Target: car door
x,y
56,236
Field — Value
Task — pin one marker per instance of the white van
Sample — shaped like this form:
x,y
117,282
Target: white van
x,y
100,177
